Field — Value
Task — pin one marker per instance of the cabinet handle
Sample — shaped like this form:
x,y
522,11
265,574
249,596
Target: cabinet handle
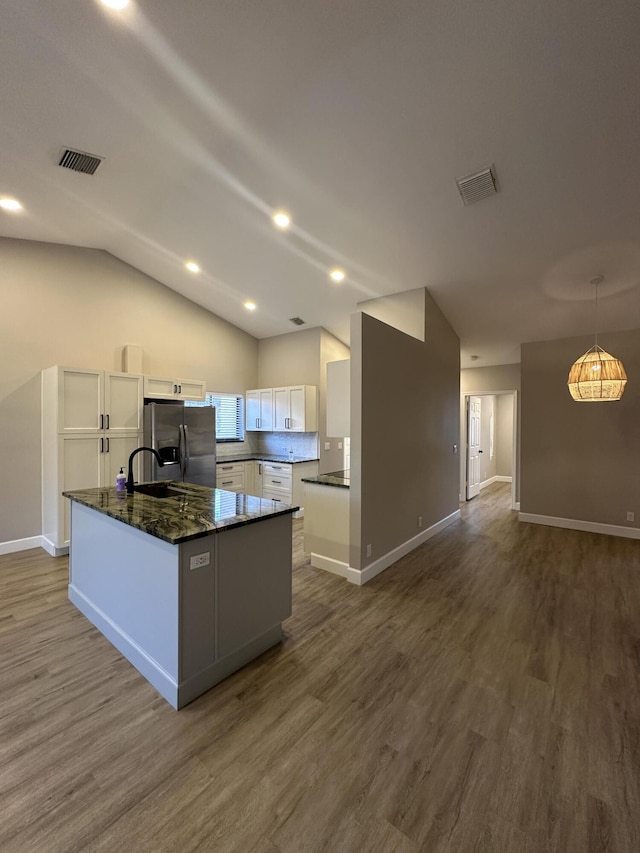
x,y
101,421
175,389
179,389
260,468
107,450
257,423
227,482
107,421
227,467
277,468
279,482
102,445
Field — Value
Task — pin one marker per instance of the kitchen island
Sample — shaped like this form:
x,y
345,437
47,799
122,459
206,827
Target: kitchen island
x,y
189,587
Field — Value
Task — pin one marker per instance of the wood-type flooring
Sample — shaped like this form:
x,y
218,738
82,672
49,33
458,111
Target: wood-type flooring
x,y
480,696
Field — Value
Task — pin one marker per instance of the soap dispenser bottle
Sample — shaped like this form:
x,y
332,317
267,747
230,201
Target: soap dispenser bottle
x,y
121,481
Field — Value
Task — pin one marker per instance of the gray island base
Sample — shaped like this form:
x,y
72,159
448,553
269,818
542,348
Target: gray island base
x,y
188,613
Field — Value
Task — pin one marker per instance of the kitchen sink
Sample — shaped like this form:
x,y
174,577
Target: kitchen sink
x,y
159,490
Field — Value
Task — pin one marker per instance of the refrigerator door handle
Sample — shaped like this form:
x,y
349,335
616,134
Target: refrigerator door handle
x,y
186,449
181,450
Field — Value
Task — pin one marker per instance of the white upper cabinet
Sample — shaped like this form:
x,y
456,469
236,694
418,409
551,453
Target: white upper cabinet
x,y
161,388
90,401
259,410
80,398
295,408
123,402
338,398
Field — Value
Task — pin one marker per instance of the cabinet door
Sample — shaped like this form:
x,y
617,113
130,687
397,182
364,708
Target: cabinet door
x,y
159,389
281,409
297,409
81,462
123,402
257,479
80,400
252,411
266,409
117,449
191,389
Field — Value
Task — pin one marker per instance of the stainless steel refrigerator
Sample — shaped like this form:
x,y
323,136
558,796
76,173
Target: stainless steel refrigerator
x,y
185,438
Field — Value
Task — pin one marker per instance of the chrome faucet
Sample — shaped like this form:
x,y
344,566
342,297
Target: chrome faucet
x,y
130,472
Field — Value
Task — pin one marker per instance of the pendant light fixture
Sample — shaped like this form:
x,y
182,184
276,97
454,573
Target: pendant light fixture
x,y
597,376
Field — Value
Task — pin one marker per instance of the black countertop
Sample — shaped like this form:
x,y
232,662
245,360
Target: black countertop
x,y
198,510
264,457
341,479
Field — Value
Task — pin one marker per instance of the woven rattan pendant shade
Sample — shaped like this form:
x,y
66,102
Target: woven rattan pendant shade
x,y
597,376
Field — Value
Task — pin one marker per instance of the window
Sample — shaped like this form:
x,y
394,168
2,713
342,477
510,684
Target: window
x,y
229,415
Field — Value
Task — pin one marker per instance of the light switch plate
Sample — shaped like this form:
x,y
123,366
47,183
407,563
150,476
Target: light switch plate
x,y
327,445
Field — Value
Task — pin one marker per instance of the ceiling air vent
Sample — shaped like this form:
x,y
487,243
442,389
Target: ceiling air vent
x,y
79,161
297,321
480,185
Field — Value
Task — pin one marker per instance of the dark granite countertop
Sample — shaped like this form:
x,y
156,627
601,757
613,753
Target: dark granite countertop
x,y
342,479
264,457
197,511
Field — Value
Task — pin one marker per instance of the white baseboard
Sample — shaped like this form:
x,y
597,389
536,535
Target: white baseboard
x,y
576,524
337,567
52,549
15,545
360,577
497,478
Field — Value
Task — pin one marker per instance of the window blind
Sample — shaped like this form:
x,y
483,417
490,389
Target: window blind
x,y
229,414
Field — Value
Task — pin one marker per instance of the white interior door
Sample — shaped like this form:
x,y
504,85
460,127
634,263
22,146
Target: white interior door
x,y
474,411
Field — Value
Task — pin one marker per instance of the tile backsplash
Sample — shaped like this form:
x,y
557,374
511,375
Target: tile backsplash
x,y
302,443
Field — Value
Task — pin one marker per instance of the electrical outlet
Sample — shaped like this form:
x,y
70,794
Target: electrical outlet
x,y
327,445
419,521
455,448
631,516
368,550
200,560
339,445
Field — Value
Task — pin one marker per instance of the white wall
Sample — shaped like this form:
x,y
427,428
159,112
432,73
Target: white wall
x,y
79,307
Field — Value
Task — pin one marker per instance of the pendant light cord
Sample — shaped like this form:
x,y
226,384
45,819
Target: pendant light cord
x,y
597,281
597,313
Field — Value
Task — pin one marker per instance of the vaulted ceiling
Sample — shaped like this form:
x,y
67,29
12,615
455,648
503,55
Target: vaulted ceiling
x,y
356,117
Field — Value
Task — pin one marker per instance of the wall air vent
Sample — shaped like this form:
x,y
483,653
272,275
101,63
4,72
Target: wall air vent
x,y
79,161
297,321
480,185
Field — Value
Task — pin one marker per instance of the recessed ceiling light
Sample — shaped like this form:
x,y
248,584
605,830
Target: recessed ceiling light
x,y
192,266
337,275
281,219
115,4
250,306
11,204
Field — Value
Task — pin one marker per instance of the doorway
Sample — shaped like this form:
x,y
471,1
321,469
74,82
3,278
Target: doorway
x,y
489,443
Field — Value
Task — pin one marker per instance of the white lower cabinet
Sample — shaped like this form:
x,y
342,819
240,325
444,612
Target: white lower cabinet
x,y
283,482
230,476
80,462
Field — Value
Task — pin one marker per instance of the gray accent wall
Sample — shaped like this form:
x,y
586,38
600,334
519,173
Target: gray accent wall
x,y
404,423
580,460
79,307
504,435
